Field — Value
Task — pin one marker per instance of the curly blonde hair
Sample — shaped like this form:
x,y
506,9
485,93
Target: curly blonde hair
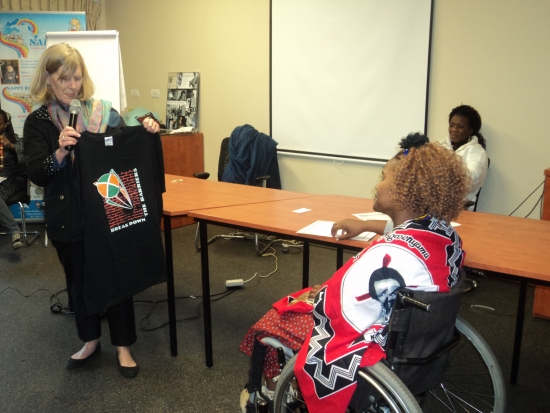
x,y
430,179
53,58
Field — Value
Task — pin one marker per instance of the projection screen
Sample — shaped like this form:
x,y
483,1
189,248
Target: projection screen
x,y
349,78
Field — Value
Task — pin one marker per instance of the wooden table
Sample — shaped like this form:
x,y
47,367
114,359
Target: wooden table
x,y
511,246
507,245
516,247
277,218
183,194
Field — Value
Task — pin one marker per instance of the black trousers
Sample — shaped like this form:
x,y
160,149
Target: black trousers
x,y
120,317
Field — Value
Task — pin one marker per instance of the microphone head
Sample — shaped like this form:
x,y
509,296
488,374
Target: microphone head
x,y
75,107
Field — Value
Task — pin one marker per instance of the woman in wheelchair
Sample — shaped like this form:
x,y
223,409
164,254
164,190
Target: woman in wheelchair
x,y
342,325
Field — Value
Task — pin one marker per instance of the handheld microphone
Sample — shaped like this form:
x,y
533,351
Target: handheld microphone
x,y
74,109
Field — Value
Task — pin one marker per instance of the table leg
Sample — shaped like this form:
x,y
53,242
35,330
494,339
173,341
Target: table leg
x,y
206,295
519,331
170,285
305,265
339,257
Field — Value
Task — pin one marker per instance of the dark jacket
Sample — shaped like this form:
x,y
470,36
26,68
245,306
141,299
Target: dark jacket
x,y
40,140
252,154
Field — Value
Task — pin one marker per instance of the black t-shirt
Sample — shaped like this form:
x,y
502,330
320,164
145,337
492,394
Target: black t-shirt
x,y
120,178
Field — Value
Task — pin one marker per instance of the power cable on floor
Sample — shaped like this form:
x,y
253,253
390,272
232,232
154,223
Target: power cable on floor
x,y
490,310
55,303
194,317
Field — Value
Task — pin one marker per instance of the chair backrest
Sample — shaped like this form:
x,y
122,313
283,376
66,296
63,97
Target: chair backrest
x,y
224,157
252,159
420,334
479,192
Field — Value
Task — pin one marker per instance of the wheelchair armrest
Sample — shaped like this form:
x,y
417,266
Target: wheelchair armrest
x,y
427,360
275,343
262,178
202,175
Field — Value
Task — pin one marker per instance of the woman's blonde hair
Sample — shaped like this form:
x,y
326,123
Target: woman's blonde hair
x,y
60,55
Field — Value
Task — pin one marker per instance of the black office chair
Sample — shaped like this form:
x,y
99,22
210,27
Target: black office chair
x,y
474,203
260,180
222,163
22,198
472,284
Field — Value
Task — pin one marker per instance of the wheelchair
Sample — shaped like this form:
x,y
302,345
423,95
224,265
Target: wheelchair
x,y
436,362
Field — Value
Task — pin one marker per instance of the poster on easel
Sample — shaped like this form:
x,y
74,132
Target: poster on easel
x,y
182,102
22,43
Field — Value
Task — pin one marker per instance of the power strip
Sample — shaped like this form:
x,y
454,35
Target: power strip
x,y
286,247
234,283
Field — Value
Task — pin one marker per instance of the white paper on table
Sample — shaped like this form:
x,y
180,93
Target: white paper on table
x,y
372,215
323,229
301,210
455,224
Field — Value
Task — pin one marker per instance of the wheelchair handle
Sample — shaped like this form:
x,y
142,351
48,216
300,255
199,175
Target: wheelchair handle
x,y
407,301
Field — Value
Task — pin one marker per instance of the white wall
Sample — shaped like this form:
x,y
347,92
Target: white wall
x,y
495,55
227,41
491,54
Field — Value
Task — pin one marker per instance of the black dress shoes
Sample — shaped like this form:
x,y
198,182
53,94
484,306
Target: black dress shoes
x,y
77,363
128,372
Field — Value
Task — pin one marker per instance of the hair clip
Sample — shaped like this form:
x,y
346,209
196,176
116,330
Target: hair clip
x,y
406,152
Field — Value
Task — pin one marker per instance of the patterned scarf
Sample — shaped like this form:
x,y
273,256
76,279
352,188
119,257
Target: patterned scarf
x,y
94,116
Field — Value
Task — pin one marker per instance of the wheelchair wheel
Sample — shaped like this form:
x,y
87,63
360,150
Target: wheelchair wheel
x,y
473,381
396,398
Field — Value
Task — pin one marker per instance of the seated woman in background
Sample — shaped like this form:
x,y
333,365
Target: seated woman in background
x,y
468,143
422,190
12,168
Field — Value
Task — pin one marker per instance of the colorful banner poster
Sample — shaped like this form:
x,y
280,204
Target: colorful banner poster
x,y
22,42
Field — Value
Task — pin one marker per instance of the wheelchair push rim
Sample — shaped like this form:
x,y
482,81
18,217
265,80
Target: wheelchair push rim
x,y
396,398
473,381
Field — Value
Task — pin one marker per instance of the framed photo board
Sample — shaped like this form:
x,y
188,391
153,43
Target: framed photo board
x,y
182,101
